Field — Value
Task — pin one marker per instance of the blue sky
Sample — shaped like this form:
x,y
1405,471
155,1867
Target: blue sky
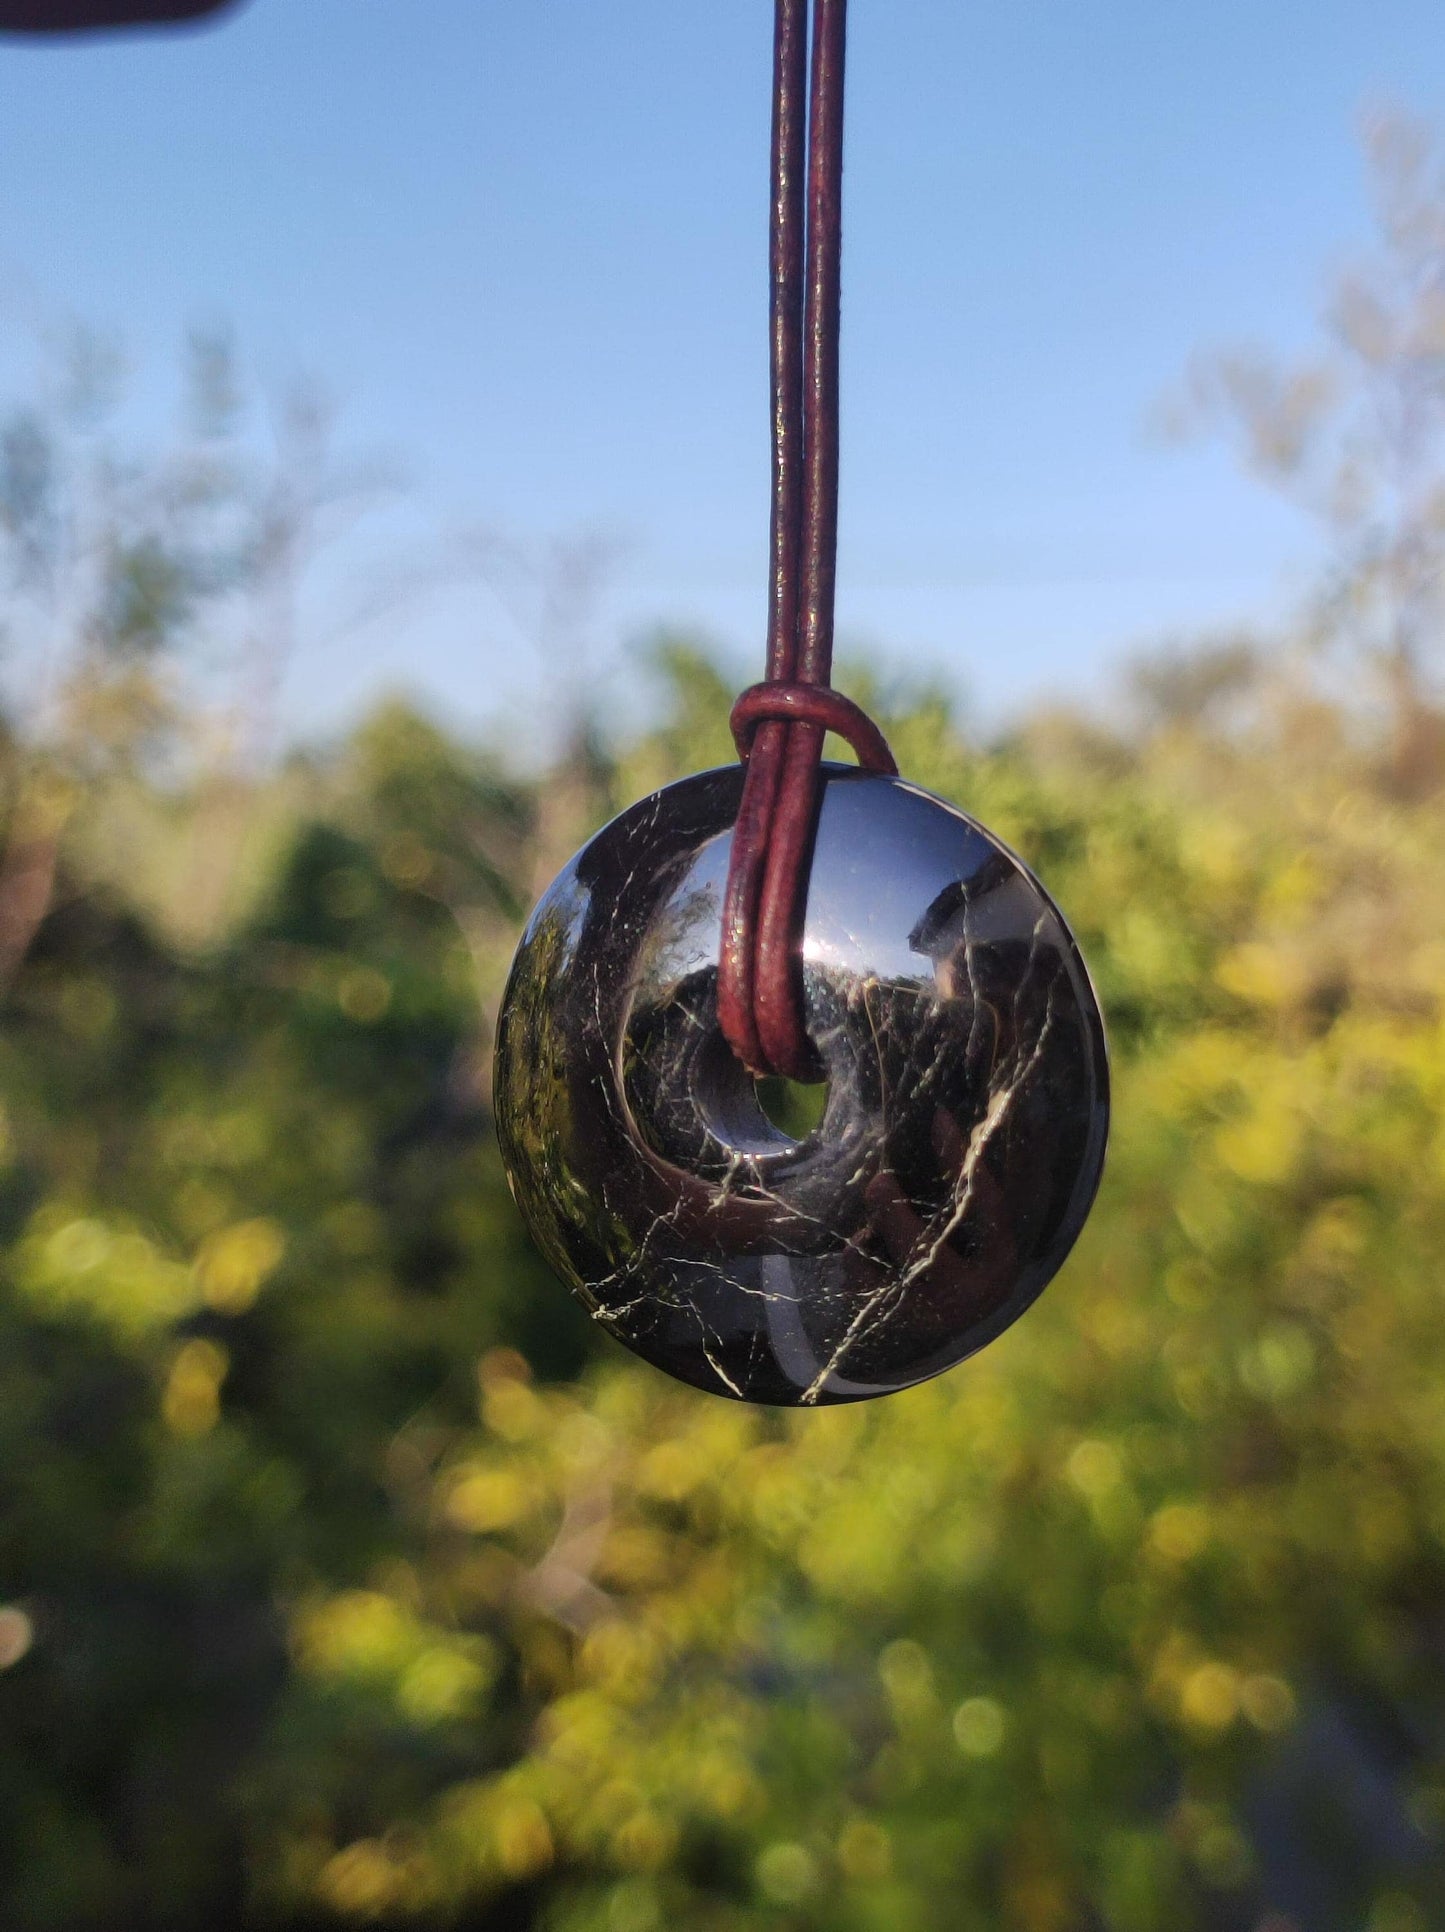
x,y
525,248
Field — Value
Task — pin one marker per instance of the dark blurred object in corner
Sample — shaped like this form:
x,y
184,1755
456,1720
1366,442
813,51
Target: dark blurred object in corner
x,y
80,16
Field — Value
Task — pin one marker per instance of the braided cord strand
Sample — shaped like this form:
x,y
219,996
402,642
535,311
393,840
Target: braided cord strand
x,y
780,724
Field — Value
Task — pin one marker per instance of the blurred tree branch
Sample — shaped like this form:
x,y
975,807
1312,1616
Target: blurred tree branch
x,y
1355,435
123,574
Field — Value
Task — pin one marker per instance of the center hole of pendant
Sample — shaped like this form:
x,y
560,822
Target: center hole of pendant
x,y
794,1109
756,1117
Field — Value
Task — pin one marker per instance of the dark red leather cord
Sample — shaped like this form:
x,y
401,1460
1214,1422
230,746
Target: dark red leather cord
x,y
814,704
779,725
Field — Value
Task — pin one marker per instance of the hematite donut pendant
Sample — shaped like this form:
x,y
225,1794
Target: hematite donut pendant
x,y
960,1145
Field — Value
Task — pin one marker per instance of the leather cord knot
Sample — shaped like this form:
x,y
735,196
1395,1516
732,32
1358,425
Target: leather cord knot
x,y
814,704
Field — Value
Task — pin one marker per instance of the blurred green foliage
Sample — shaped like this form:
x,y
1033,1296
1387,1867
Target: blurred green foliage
x,y
349,1577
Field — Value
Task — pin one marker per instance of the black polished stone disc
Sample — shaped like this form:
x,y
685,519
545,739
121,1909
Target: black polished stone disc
x,y
959,1148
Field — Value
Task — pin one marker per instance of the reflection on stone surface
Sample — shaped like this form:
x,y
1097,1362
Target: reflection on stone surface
x,y
967,1108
